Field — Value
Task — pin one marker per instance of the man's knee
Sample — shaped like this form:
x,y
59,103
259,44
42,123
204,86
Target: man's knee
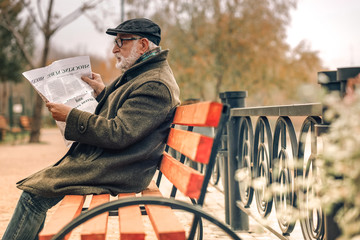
x,y
36,203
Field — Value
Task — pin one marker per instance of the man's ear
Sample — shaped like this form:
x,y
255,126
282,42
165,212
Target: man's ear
x,y
144,45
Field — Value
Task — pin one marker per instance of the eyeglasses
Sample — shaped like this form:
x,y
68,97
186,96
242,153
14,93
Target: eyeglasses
x,y
119,41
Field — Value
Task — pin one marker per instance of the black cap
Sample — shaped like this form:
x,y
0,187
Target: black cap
x,y
139,26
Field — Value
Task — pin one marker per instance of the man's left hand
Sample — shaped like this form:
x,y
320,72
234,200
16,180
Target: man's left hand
x,y
58,111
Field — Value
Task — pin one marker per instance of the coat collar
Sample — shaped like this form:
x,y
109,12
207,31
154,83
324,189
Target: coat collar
x,y
131,73
140,68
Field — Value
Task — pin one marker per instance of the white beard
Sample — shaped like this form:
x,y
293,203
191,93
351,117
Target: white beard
x,y
125,63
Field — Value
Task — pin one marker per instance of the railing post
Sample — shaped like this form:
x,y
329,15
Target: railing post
x,y
330,84
237,219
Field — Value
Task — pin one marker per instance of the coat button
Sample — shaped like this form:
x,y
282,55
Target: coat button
x,y
82,127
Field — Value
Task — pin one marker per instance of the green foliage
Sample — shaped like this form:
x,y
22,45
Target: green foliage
x,y
12,62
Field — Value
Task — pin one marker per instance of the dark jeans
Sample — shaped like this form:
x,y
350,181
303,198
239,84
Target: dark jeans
x,y
29,217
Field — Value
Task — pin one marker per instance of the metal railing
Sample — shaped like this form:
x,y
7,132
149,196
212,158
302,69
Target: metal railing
x,y
264,150
263,144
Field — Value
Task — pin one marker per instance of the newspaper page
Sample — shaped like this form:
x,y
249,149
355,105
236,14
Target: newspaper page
x,y
60,82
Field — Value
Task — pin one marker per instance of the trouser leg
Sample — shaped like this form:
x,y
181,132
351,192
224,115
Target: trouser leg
x,y
29,217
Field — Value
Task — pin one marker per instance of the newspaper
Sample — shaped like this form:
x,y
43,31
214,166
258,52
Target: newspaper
x,y
60,82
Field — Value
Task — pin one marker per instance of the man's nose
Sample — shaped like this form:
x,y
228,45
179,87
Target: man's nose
x,y
115,49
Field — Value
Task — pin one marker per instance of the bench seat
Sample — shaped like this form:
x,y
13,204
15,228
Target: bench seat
x,y
131,224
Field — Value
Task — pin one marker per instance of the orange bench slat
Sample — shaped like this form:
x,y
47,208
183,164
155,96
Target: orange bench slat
x,y
205,114
195,146
186,179
95,228
131,226
3,123
165,223
25,122
69,208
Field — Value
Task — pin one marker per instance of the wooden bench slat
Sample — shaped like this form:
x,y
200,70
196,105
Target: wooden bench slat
x,y
186,179
205,114
6,128
3,123
195,146
165,223
95,228
25,123
69,208
131,226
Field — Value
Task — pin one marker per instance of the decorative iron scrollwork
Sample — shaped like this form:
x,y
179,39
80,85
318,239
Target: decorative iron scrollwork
x,y
312,219
245,160
285,144
262,164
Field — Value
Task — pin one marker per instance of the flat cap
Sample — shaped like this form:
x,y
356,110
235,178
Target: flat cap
x,y
139,26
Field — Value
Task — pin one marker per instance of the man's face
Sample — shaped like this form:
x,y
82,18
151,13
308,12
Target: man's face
x,y
128,53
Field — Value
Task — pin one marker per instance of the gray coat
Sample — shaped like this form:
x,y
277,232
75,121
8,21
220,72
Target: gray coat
x,y
118,148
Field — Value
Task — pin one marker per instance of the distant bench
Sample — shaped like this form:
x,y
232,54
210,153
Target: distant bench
x,y
25,123
188,181
5,128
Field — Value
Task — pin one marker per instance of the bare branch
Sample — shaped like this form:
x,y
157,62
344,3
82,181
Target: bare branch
x,y
41,15
95,21
75,14
47,26
32,15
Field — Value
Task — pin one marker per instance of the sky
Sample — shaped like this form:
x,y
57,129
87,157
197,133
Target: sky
x,y
327,26
330,27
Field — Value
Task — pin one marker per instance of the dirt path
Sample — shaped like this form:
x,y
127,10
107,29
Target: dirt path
x,y
21,160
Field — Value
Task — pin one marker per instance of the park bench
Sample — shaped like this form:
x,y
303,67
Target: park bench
x,y
3,127
6,129
25,123
130,207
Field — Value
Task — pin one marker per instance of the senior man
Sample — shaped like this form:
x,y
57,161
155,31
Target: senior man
x,y
116,149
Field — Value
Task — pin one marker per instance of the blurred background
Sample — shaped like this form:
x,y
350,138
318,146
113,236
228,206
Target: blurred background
x,y
271,48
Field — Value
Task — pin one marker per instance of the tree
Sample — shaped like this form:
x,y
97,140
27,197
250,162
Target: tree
x,y
46,24
232,45
12,61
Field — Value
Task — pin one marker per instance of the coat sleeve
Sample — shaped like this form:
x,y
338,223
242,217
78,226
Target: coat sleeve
x,y
146,108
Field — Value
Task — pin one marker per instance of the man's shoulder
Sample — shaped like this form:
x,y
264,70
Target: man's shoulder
x,y
160,77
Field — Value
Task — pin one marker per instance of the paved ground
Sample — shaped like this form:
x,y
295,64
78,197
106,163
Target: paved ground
x,y
20,160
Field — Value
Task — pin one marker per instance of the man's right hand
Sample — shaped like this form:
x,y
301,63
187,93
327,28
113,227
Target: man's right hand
x,y
95,82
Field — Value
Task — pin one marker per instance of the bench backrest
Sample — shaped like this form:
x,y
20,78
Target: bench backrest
x,y
25,122
194,146
3,122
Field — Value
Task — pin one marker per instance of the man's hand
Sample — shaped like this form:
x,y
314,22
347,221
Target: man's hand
x,y
58,111
95,82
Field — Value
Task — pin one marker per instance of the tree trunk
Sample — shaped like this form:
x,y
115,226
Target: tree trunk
x,y
37,117
219,80
36,123
4,98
